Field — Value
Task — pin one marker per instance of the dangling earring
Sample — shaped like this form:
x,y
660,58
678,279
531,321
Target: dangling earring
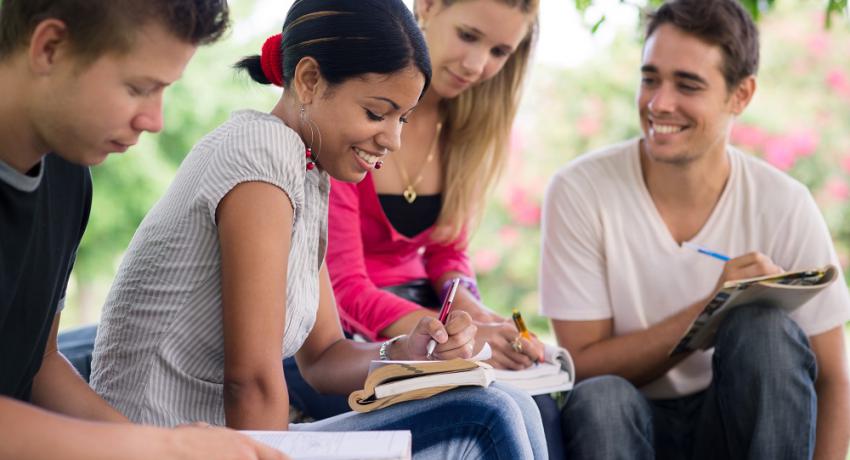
x,y
312,160
380,164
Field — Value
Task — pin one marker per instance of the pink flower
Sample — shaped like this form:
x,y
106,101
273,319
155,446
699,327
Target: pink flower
x,y
523,209
516,142
845,163
588,126
485,260
838,189
819,44
780,153
516,146
804,142
839,82
748,136
509,235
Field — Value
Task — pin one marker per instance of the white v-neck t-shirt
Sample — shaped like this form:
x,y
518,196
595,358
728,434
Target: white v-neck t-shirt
x,y
608,254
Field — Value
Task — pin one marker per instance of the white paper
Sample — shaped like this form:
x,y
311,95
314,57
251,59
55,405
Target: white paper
x,y
341,445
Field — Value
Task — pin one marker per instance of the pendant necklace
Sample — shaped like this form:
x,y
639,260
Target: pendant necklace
x,y
409,192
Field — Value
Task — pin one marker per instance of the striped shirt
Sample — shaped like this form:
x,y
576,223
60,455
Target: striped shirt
x,y
159,356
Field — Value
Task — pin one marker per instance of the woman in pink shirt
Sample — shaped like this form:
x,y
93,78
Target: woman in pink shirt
x,y
397,238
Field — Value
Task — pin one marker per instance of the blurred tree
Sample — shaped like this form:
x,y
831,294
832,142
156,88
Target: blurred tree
x,y
755,7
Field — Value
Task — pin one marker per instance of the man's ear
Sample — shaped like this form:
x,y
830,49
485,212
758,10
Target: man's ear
x,y
743,94
48,41
307,80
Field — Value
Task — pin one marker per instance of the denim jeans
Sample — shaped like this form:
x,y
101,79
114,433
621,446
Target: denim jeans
x,y
311,403
465,423
77,345
761,403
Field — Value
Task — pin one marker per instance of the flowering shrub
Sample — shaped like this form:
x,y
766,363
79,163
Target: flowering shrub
x,y
799,121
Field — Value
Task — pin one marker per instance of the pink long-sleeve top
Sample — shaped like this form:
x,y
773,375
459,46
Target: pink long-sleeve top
x,y
366,253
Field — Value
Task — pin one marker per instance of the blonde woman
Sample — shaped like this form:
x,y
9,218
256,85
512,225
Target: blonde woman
x,y
398,237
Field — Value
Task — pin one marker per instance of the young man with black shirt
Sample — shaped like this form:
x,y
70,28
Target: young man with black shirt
x,y
80,79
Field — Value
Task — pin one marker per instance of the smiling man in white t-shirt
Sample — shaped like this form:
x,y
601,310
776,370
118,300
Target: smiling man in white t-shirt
x,y
620,288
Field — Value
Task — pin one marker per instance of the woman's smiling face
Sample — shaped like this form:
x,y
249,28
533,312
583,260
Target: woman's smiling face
x,y
359,121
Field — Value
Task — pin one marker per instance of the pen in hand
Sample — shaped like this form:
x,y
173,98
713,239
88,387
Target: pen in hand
x,y
522,329
444,314
520,325
705,251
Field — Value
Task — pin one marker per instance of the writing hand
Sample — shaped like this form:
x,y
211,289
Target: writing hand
x,y
454,340
506,355
748,265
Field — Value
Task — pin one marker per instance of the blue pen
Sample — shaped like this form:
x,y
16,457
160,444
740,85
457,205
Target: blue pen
x,y
705,251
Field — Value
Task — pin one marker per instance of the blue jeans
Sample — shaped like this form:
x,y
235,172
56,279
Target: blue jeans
x,y
760,404
77,345
303,397
320,406
465,423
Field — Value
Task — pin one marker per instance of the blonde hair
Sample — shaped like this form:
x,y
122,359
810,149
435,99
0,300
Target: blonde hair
x,y
475,135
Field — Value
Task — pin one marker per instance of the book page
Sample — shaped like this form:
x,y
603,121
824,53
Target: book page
x,y
481,376
536,370
342,445
483,355
555,373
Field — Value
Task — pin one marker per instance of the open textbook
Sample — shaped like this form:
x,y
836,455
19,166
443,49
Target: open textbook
x,y
392,382
342,445
788,291
555,373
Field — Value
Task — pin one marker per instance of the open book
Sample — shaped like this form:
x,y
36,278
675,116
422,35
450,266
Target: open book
x,y
392,382
555,373
787,291
342,445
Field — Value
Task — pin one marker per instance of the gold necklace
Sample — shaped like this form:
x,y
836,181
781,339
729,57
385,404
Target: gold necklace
x,y
409,192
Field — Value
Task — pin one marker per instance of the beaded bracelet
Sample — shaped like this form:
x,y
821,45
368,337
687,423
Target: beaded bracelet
x,y
465,281
384,351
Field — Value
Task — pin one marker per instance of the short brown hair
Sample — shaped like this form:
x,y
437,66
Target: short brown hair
x,y
723,23
97,26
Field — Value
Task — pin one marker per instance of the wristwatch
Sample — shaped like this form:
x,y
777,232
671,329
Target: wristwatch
x,y
384,351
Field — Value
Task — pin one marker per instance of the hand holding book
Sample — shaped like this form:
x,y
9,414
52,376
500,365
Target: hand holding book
x,y
748,279
767,284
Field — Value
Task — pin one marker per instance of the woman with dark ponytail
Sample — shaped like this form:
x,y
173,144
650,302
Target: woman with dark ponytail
x,y
226,275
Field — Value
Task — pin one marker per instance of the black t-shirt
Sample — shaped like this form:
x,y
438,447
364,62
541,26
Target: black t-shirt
x,y
42,217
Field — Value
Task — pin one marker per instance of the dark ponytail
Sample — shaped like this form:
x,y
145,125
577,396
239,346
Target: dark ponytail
x,y
251,64
348,38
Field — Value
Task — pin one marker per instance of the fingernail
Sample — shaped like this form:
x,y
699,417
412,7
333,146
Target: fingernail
x,y
441,335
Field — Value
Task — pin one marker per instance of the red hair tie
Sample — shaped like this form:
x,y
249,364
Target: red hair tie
x,y
271,60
